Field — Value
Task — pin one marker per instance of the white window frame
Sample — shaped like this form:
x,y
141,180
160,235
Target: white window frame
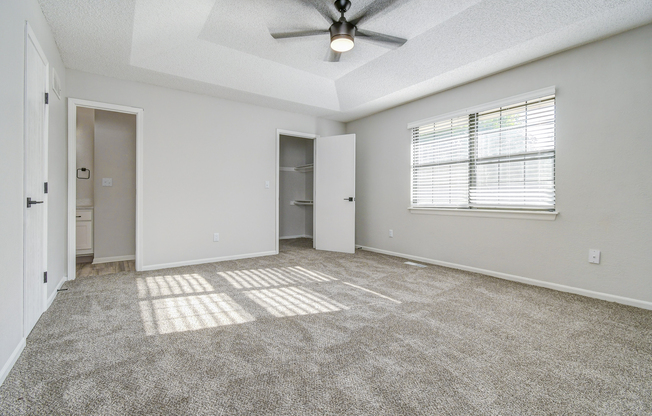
x,y
483,212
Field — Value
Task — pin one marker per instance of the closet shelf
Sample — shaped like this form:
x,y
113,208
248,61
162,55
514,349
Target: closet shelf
x,y
304,168
301,202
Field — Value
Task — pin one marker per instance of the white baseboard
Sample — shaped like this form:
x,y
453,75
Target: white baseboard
x,y
556,286
98,260
11,361
289,237
54,294
211,260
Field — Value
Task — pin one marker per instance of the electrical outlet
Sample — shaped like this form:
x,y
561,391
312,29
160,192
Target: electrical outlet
x,y
107,181
216,237
391,233
594,256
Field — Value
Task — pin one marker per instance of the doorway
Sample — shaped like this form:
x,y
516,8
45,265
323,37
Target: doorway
x,y
104,188
296,187
316,186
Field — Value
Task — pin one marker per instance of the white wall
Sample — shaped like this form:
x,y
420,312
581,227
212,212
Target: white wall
x,y
85,155
206,161
603,171
13,14
114,214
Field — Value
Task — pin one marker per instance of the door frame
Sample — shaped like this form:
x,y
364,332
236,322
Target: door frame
x,y
279,133
73,103
30,37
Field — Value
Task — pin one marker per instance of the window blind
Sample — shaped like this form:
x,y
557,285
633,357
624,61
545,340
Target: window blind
x,y
500,158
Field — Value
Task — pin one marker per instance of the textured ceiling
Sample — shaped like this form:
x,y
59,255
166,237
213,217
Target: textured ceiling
x,y
224,48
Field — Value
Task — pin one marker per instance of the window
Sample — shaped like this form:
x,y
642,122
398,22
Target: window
x,y
501,158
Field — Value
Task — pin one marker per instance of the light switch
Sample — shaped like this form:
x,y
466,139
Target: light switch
x,y
107,181
594,256
266,184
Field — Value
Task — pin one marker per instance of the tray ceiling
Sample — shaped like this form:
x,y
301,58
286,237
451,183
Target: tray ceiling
x,y
224,48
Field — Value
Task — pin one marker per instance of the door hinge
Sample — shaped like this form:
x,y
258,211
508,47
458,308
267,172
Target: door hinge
x,y
47,98
45,187
45,277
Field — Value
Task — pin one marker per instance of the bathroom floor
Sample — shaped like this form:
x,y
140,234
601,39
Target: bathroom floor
x,y
89,269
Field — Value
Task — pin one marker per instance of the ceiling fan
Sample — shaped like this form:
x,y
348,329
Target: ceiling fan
x,y
342,31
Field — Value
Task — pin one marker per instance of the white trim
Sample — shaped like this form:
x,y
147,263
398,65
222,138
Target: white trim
x,y
54,294
488,213
289,237
487,106
98,260
277,204
73,103
534,282
12,360
204,261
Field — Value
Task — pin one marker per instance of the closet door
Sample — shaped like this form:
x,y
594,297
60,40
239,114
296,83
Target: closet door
x,y
335,193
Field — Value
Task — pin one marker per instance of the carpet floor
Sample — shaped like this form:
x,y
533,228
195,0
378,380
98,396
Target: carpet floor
x,y
318,333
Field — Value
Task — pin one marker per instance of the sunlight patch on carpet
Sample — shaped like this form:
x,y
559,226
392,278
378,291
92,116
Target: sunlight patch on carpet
x,y
258,278
172,285
292,301
190,313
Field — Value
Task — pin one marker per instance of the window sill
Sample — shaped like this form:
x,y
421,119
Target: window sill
x,y
488,213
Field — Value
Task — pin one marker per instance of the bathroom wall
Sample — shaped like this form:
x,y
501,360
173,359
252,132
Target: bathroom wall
x,y
115,206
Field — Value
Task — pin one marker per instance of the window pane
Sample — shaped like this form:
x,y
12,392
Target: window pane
x,y
443,186
525,183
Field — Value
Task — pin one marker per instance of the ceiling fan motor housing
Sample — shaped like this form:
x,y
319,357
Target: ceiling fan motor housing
x,y
342,29
342,34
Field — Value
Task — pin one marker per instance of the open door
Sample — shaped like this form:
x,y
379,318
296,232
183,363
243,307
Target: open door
x,y
335,193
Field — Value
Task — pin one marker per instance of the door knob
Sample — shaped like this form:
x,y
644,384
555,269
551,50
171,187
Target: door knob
x,y
350,199
30,202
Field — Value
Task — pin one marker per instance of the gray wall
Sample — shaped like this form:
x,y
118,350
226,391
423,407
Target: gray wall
x,y
85,155
603,171
115,206
205,164
13,14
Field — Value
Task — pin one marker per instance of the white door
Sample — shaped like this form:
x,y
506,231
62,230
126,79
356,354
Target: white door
x,y
335,193
35,173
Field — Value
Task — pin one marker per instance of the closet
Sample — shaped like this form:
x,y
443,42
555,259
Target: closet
x,y
296,186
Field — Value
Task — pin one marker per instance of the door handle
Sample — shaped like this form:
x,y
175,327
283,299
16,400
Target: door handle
x,y
30,202
350,199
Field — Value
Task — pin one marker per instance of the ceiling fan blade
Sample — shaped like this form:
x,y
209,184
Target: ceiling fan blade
x,y
283,35
379,37
333,56
374,8
322,8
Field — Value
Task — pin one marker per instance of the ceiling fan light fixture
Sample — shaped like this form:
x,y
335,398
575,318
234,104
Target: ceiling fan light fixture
x,y
342,34
342,43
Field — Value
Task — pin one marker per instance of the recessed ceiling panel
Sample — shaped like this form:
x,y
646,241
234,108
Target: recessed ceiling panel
x,y
224,48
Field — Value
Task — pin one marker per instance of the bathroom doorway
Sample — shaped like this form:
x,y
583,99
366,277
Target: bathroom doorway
x,y
104,196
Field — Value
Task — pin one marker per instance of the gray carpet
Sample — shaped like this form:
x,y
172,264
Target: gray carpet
x,y
315,333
